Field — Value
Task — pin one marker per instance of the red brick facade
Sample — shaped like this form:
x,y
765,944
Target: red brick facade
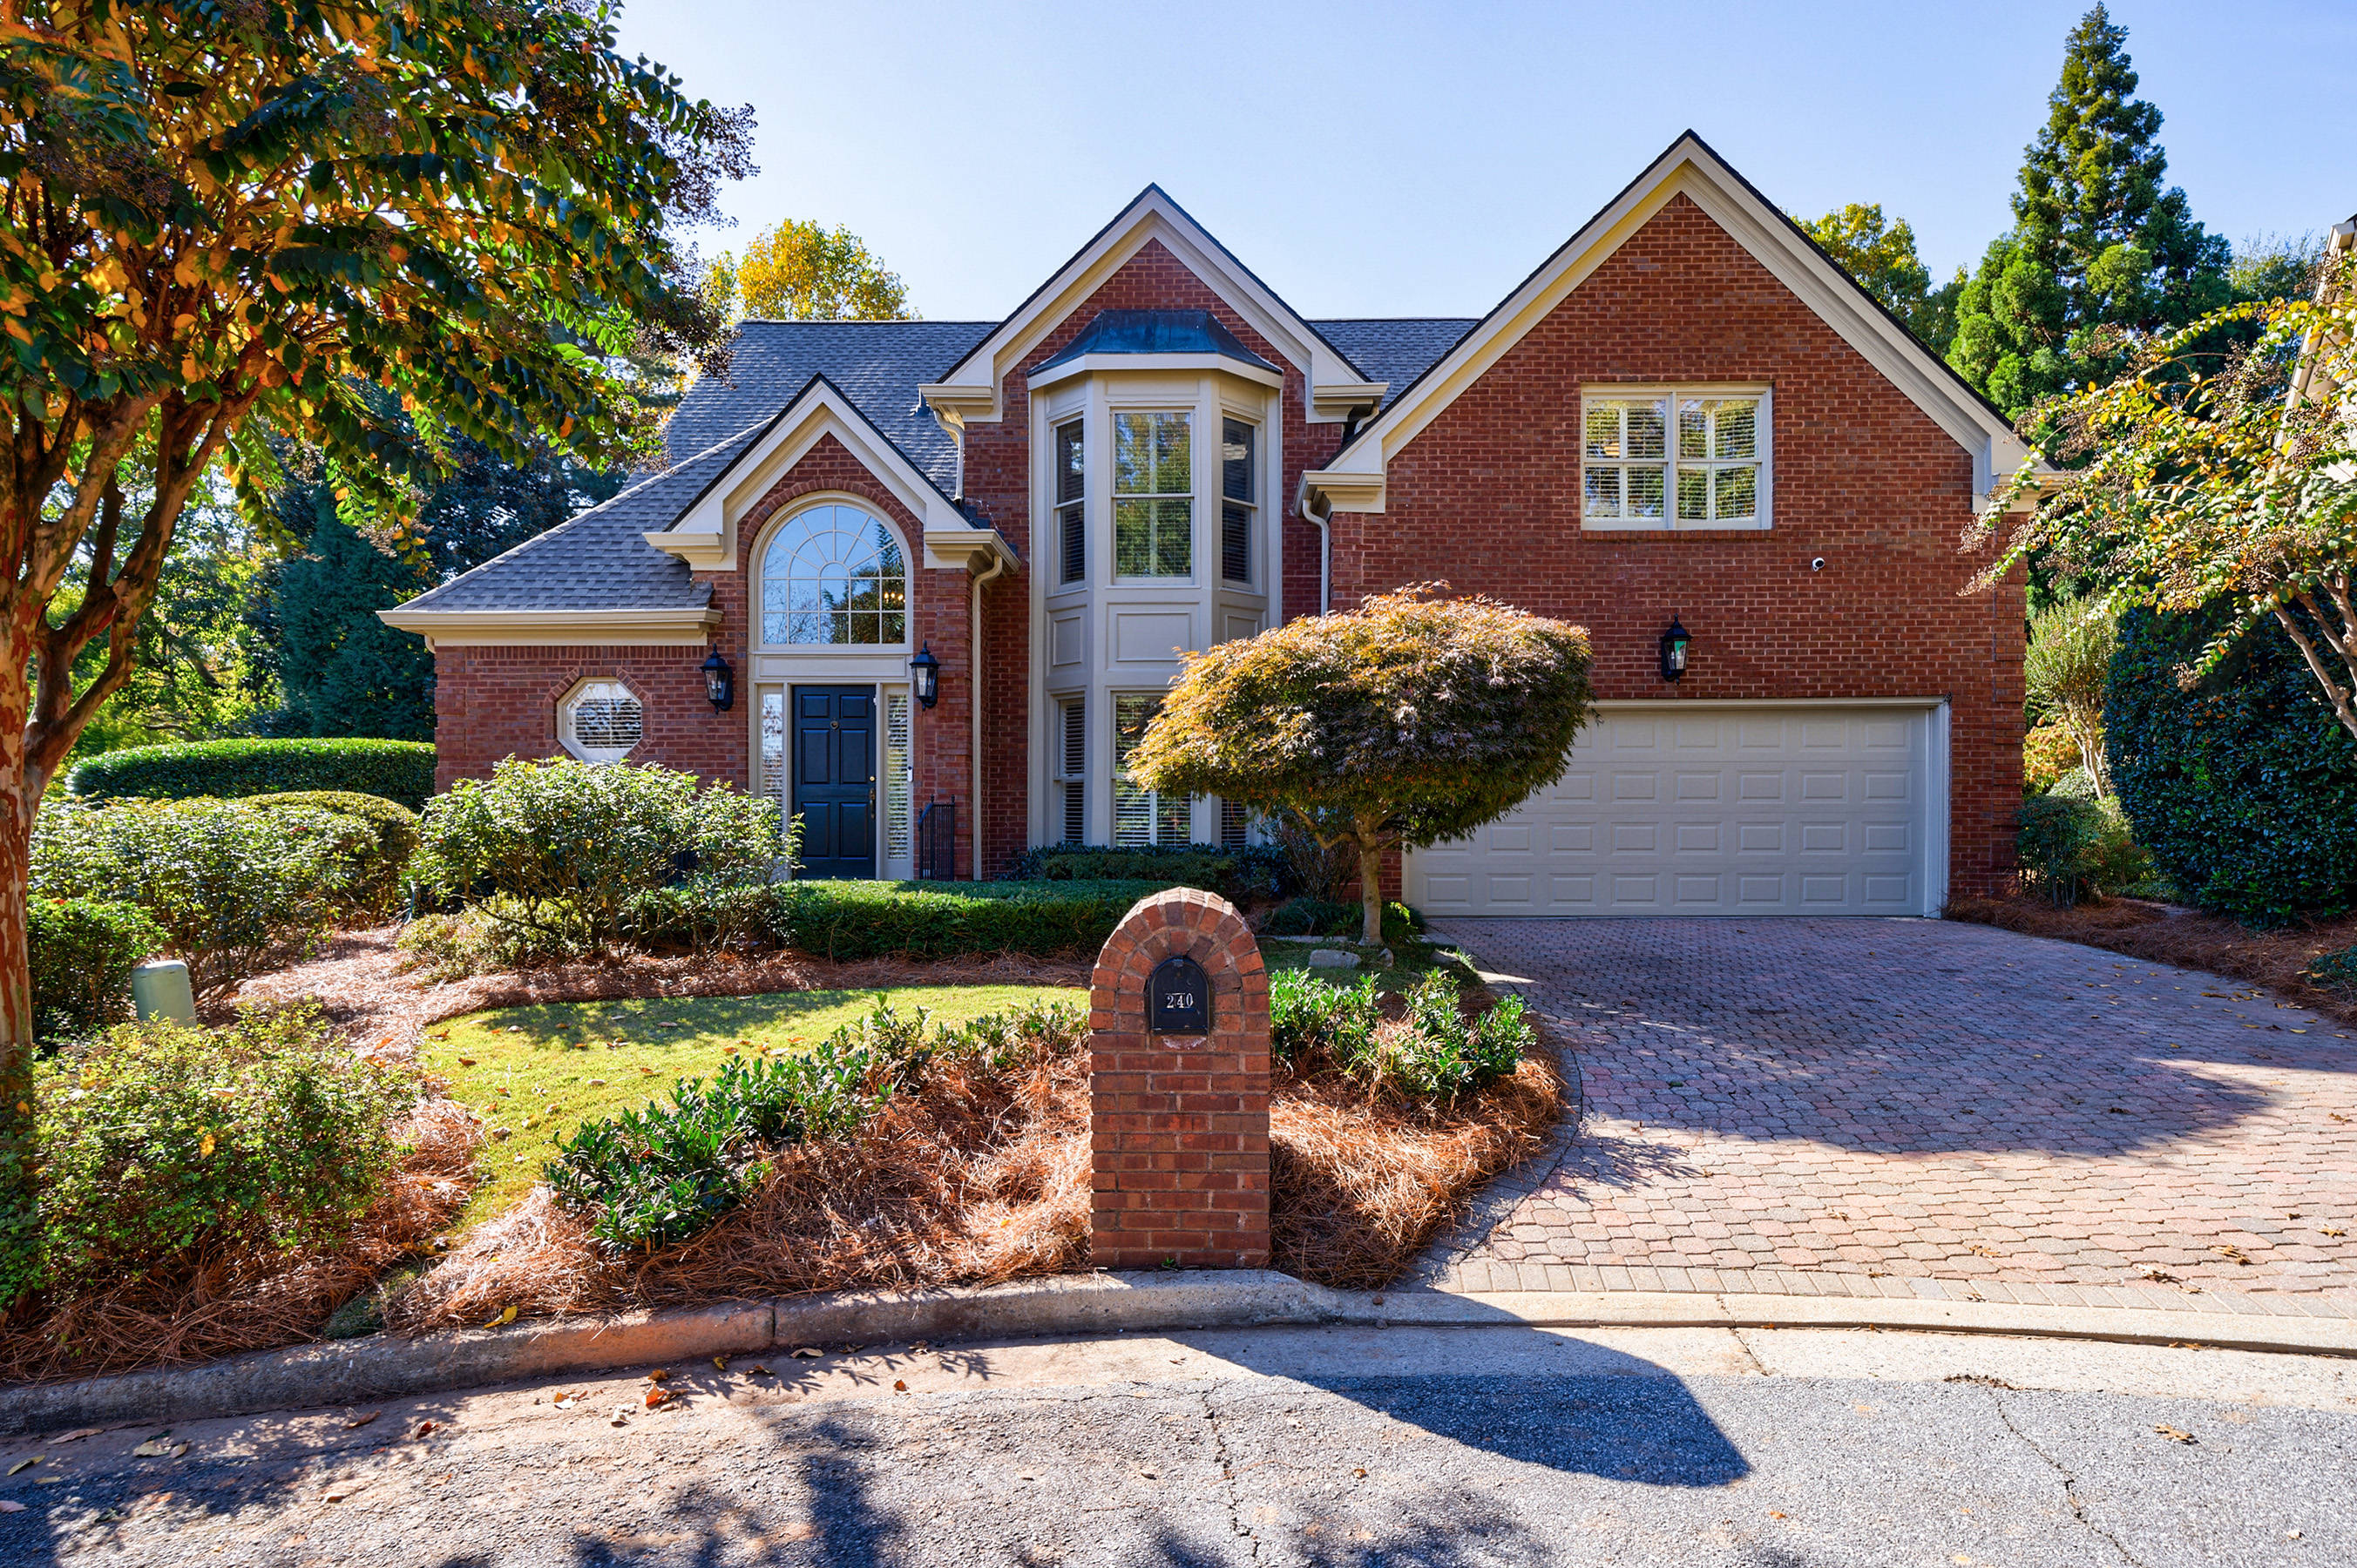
x,y
1178,1126
1486,498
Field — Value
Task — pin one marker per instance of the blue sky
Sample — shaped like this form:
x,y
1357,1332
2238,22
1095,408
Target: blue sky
x,y
1375,159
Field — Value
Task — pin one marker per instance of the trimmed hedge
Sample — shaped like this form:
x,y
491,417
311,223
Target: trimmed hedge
x,y
1215,868
83,950
395,825
2243,788
950,920
399,770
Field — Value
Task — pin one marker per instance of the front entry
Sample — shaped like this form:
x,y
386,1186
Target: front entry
x,y
834,779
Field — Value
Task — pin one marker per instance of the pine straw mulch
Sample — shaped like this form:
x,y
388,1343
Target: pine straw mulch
x,y
236,1298
979,1177
2187,938
361,981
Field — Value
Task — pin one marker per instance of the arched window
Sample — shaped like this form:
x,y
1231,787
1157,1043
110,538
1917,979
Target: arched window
x,y
834,576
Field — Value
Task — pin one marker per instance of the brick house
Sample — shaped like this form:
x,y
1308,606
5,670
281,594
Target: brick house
x,y
1687,414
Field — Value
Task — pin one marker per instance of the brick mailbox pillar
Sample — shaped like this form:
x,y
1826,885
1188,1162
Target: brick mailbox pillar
x,y
1179,1121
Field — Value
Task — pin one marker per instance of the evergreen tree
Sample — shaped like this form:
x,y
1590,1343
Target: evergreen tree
x,y
2097,242
343,671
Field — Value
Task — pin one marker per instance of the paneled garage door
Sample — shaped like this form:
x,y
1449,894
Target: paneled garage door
x,y
1806,808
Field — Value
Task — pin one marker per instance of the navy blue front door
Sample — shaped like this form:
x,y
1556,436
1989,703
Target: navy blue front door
x,y
834,778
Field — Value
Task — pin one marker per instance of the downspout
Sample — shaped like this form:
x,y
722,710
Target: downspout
x,y
974,701
1310,503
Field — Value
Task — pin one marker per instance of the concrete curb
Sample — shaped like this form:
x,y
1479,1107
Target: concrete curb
x,y
1075,1305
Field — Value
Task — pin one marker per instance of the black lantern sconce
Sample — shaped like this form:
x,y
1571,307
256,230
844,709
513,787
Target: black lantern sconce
x,y
925,675
719,684
1673,650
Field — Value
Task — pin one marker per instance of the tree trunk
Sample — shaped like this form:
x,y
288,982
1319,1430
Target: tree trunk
x,y
2340,639
1370,878
19,1209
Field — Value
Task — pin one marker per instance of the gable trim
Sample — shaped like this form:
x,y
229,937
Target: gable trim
x,y
1690,169
972,391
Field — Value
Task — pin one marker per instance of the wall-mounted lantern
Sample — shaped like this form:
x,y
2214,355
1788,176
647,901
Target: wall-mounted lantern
x,y
925,675
1673,650
719,684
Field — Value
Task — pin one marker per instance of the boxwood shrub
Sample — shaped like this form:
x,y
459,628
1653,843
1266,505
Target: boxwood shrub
x,y
2244,788
1232,871
83,950
393,829
399,770
947,920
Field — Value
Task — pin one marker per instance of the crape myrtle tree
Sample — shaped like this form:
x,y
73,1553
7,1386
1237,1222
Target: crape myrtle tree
x,y
2201,482
229,225
1410,720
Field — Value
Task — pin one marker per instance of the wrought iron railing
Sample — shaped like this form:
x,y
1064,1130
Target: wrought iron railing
x,y
937,840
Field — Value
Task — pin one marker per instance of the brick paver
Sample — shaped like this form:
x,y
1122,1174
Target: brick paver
x,y
1874,1107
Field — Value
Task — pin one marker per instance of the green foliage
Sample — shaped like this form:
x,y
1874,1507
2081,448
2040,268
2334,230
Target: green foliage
x,y
2063,673
236,888
665,1173
1233,870
949,919
397,770
800,271
561,853
83,950
2096,240
1881,255
392,827
1311,917
1409,720
165,1145
1431,1052
2059,834
2337,971
2242,786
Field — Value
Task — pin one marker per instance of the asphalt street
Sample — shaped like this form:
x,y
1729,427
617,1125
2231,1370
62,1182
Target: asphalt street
x,y
1761,1447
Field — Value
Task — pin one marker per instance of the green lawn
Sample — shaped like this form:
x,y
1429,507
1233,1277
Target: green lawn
x,y
539,1072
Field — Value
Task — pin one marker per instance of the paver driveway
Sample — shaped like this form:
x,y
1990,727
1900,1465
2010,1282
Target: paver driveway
x,y
1929,1100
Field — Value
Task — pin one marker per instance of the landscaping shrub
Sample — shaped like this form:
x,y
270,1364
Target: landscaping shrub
x,y
1231,871
236,888
378,871
1308,917
83,950
556,856
665,1174
2059,835
2243,788
2335,970
946,919
399,770
1317,870
2048,752
1431,1052
166,1145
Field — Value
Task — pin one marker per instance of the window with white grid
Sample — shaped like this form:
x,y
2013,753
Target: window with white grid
x,y
1153,495
1139,815
1071,769
1672,458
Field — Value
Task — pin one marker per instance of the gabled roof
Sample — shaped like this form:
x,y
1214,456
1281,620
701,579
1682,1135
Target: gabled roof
x,y
972,387
1353,479
877,365
1396,349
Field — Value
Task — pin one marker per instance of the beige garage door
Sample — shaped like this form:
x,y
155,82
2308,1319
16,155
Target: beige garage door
x,y
1807,809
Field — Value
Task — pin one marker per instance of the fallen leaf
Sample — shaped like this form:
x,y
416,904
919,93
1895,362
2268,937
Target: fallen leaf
x,y
154,1449
1773,1514
2173,1434
646,1073
596,1083
1025,1475
2234,1253
760,1370
439,1035
720,1363
77,1433
656,1397
622,1416
7,1507
466,1061
808,1353
502,1320
2327,1231
26,1463
658,1374
1360,1471
340,1490
424,1429
899,1385
361,1420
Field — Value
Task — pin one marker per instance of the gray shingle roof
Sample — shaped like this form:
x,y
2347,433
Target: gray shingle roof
x,y
1395,348
598,560
878,365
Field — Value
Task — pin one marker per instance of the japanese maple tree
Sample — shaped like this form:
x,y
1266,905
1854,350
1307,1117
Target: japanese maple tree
x,y
1412,719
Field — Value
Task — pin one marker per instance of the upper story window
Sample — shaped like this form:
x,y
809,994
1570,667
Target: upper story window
x,y
1239,494
601,721
1674,458
1072,502
834,576
1153,495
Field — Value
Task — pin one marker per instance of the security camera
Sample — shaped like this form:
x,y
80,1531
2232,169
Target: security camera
x,y
1817,564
